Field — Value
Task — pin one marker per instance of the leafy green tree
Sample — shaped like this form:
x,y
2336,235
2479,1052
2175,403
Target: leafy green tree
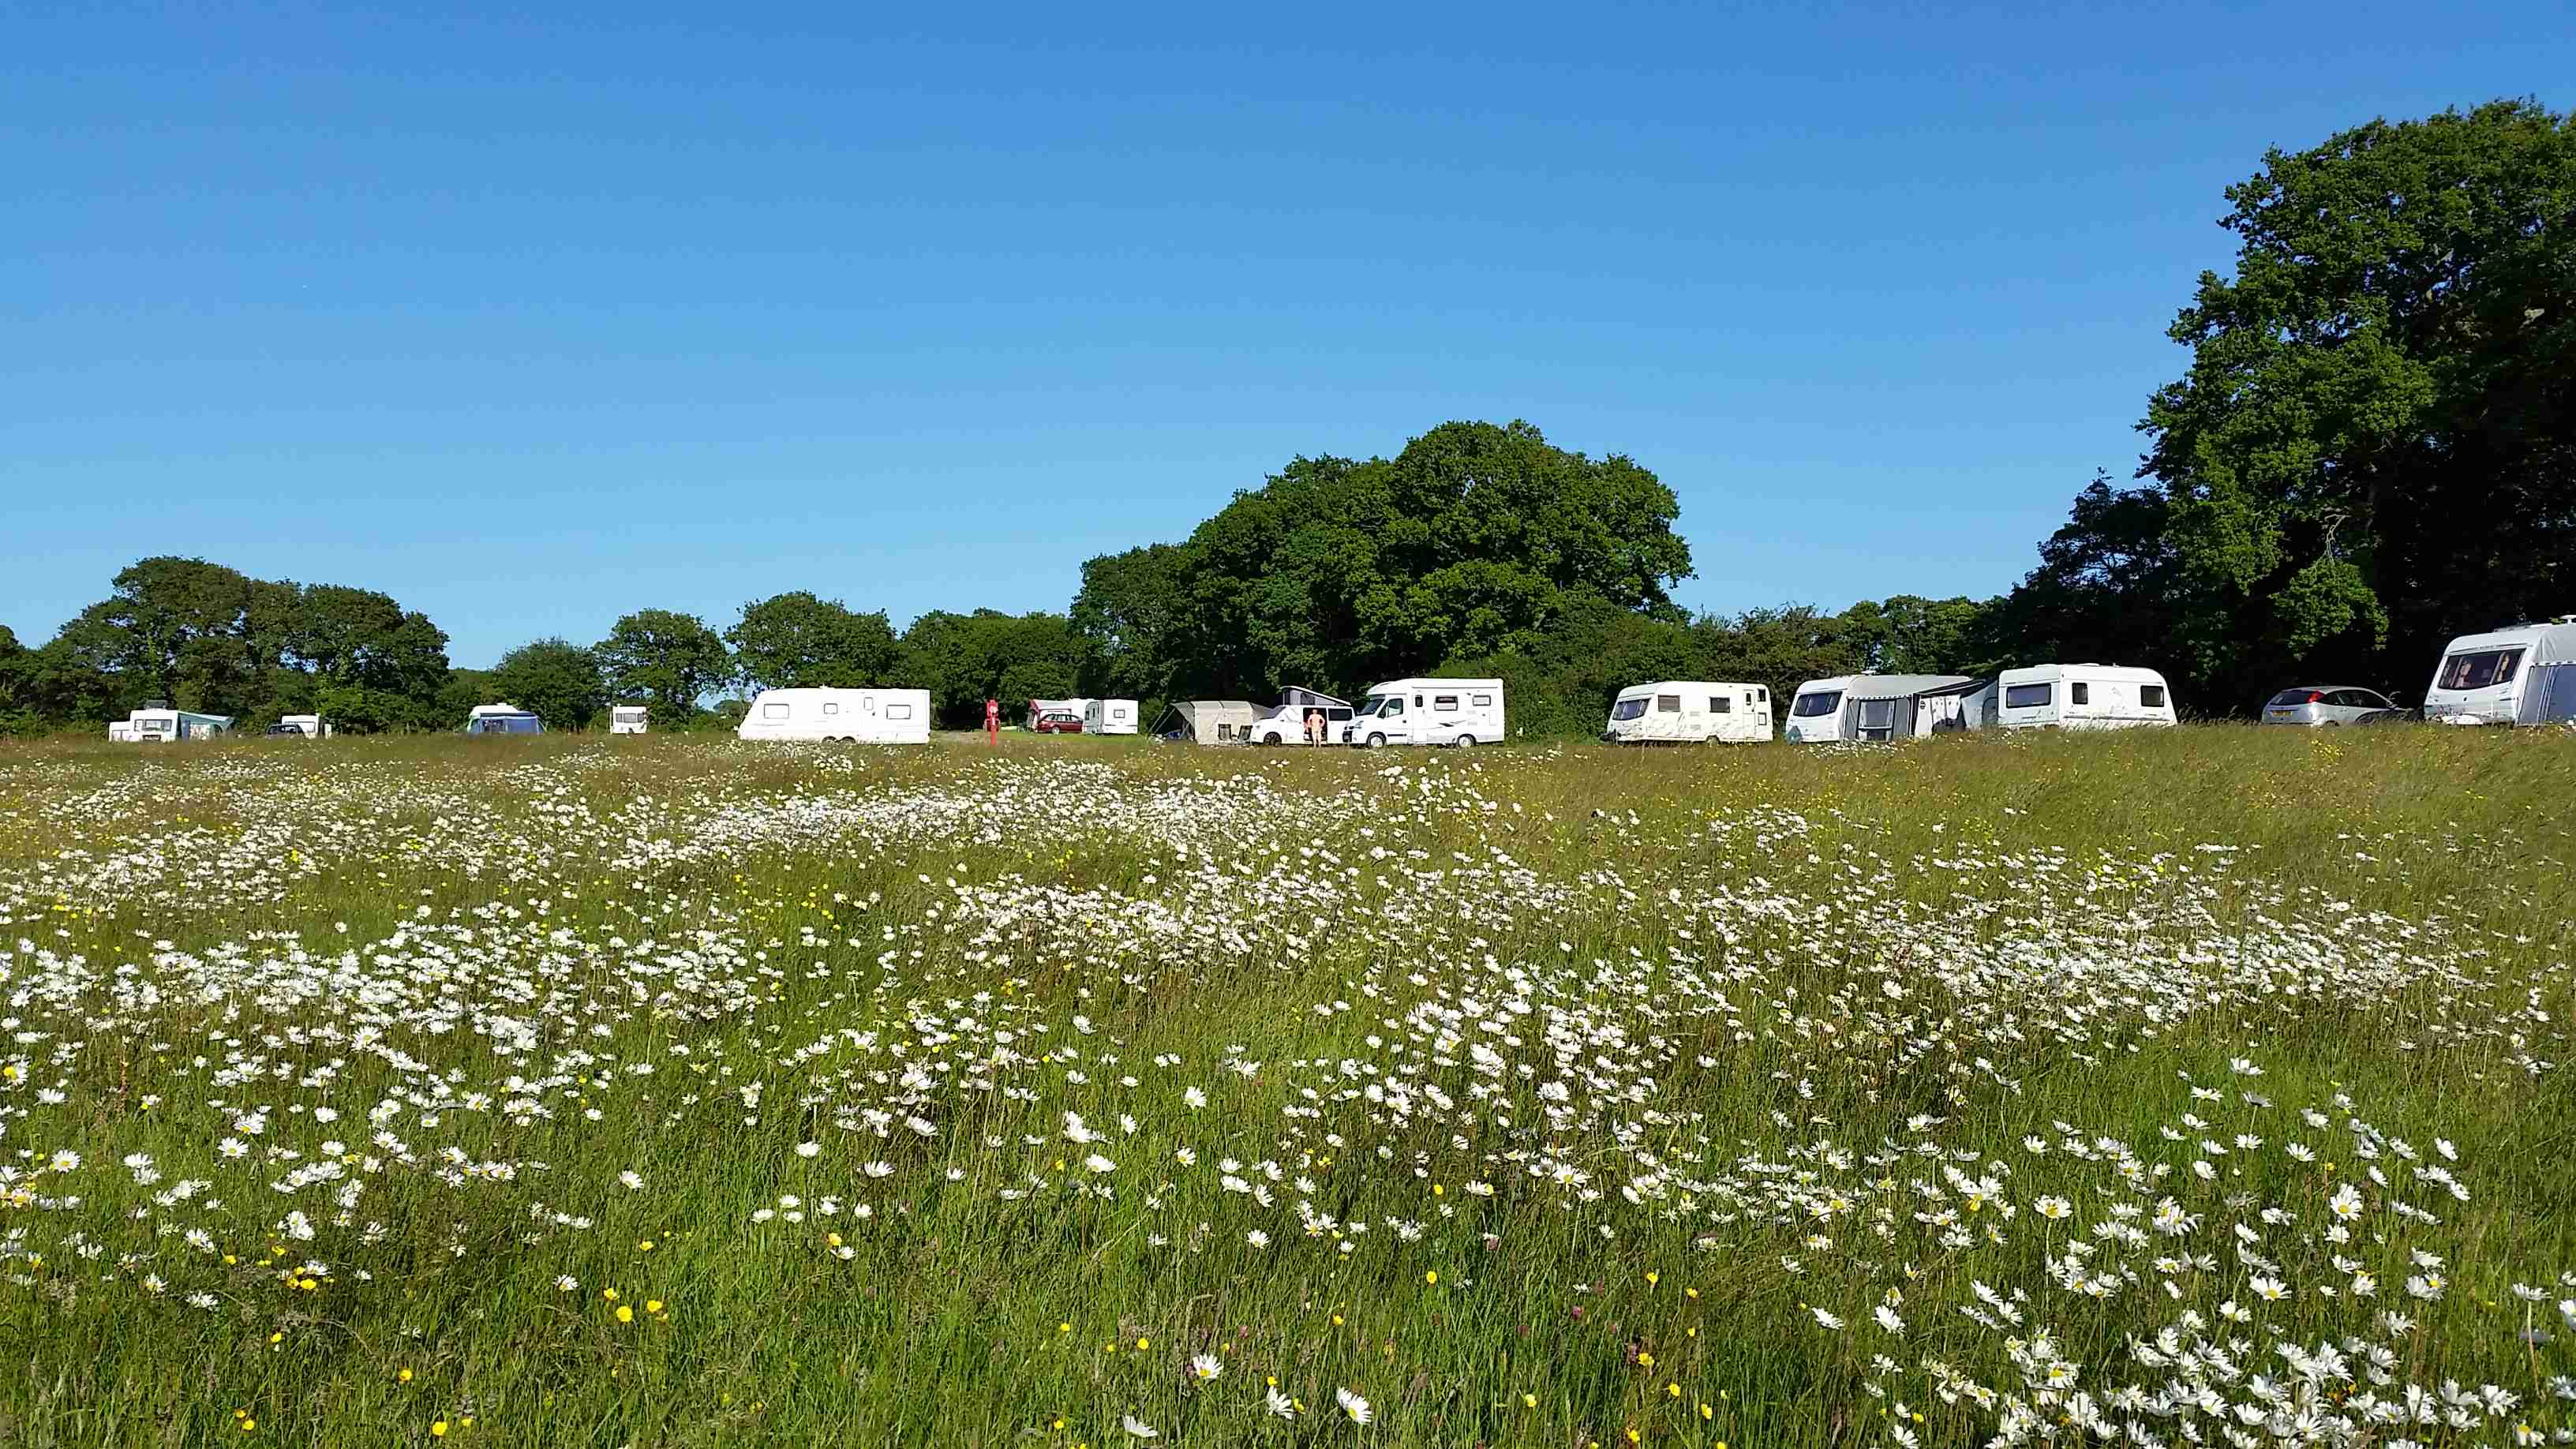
x,y
2375,445
964,659
1908,634
1129,612
557,681
667,657
796,641
174,629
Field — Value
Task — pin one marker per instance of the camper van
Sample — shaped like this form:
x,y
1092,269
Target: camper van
x,y
310,726
1109,717
850,716
1689,712
1460,712
2081,697
1286,724
502,719
627,719
1882,707
153,724
2522,675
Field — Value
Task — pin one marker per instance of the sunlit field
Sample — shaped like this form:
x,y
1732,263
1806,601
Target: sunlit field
x,y
2202,1086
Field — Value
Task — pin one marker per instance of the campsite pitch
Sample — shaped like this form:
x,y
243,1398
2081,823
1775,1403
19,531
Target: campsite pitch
x,y
2204,1085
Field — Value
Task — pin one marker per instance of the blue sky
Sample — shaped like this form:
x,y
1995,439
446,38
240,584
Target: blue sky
x,y
534,317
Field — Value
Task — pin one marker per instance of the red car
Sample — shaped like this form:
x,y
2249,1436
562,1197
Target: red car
x,y
1059,723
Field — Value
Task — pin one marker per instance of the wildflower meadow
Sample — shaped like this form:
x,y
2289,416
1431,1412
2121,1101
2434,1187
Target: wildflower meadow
x,y
2186,1087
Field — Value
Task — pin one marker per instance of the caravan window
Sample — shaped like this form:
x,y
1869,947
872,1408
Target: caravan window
x,y
1484,701
2079,693
1444,703
1340,713
1720,704
773,711
2477,671
898,711
2152,696
831,706
1877,719
1668,704
1629,708
2026,696
1822,702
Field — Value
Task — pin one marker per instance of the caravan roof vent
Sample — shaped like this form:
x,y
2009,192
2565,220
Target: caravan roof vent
x,y
156,704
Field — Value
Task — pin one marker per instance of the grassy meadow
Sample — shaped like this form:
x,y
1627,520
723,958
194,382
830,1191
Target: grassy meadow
x,y
2182,1087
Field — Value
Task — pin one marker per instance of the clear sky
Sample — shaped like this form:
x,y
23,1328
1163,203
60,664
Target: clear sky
x,y
536,316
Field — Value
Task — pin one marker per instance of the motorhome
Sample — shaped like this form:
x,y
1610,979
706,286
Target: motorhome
x,y
1880,707
849,716
1286,724
2081,697
154,724
1459,712
2522,675
1689,711
1037,707
1109,717
627,719
311,726
502,719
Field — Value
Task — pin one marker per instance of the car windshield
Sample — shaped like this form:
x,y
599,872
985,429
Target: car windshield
x,y
1628,708
1375,703
2477,671
1822,702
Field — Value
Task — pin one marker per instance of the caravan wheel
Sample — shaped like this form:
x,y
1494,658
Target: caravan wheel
x,y
1463,742
1377,742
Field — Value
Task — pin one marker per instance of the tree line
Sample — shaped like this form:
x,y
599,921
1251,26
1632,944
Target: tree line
x,y
2373,449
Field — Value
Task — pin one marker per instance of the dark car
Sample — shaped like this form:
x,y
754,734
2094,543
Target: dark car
x,y
1059,723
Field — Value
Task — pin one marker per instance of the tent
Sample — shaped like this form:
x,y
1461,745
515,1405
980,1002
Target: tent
x,y
1208,721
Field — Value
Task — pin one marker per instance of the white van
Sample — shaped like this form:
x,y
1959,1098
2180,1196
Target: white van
x,y
2522,675
2081,697
1459,712
1286,724
1883,707
151,726
311,726
1689,711
627,719
850,716
1109,717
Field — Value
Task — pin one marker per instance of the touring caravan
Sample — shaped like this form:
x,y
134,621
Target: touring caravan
x,y
502,719
1458,712
2522,675
1109,717
2081,697
1689,712
1286,725
311,726
850,716
627,719
1207,721
1883,707
153,724
1037,707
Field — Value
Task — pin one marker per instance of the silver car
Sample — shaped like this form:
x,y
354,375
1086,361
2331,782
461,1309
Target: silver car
x,y
2324,704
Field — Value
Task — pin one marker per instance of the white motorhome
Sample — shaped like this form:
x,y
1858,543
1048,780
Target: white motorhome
x,y
850,716
1286,725
627,719
1878,707
1458,712
2522,675
2081,697
151,725
1689,712
311,726
1074,706
1109,717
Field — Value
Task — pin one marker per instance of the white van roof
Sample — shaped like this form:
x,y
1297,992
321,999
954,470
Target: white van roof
x,y
1393,685
2550,643
2130,673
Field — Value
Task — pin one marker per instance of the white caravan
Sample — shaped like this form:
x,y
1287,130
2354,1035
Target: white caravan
x,y
1459,712
2081,697
1109,717
311,726
1286,725
627,719
2522,675
850,716
151,726
1689,712
1880,707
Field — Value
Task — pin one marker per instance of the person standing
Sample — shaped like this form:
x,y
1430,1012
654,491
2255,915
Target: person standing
x,y
992,721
